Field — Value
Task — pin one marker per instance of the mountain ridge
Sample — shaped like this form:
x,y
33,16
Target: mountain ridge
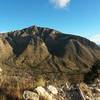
x,y
52,40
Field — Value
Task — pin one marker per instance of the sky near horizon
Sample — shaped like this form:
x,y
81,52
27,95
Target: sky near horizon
x,y
79,17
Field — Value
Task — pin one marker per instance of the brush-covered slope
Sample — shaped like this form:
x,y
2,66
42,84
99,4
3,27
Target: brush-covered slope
x,y
35,53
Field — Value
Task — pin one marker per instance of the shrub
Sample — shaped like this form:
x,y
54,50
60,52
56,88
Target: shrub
x,y
93,73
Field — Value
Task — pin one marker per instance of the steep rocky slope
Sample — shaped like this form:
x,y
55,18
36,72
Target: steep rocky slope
x,y
33,55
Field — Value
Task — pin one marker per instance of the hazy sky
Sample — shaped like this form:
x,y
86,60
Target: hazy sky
x,y
79,17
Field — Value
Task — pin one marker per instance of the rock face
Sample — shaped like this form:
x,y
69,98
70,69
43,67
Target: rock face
x,y
35,55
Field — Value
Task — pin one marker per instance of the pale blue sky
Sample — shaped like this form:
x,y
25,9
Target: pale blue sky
x,y
79,17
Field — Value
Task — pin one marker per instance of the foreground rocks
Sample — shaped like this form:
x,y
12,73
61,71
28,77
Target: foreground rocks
x,y
73,92
40,93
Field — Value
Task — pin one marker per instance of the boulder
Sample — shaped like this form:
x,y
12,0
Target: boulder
x,y
43,93
52,89
28,95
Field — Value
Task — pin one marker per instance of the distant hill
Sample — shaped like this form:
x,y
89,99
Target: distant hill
x,y
36,52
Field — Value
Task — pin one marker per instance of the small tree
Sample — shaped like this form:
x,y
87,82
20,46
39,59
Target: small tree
x,y
93,73
96,65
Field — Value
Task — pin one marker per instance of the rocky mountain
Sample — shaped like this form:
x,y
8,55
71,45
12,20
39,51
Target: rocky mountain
x,y
34,56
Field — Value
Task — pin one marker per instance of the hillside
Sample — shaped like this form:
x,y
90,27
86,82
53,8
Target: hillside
x,y
35,55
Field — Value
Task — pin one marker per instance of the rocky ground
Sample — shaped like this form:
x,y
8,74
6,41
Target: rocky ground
x,y
65,92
